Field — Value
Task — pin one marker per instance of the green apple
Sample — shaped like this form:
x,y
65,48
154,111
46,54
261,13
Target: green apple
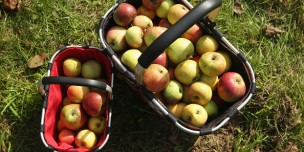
x,y
187,72
116,39
212,64
97,124
210,80
143,22
135,36
200,93
180,50
194,114
71,67
176,12
152,33
163,9
211,108
173,93
206,43
91,69
130,58
85,139
73,116
176,109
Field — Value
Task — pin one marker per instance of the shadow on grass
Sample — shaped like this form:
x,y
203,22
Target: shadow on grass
x,y
137,127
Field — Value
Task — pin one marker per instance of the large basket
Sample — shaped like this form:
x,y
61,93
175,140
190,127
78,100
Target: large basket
x,y
204,14
55,88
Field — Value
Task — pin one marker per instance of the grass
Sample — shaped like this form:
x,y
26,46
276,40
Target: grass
x,y
272,120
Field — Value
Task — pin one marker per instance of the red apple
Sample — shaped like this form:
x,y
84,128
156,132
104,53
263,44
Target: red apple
x,y
141,10
196,58
124,14
193,33
151,4
164,23
231,86
161,60
156,78
66,136
92,103
171,72
73,116
60,125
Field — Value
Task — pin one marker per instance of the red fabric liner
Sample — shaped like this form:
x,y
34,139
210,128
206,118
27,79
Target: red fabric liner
x,y
57,92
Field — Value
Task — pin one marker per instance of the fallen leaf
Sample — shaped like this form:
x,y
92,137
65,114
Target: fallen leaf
x,y
238,7
11,5
272,31
36,60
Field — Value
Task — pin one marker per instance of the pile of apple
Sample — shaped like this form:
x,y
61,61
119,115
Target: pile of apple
x,y
82,113
190,74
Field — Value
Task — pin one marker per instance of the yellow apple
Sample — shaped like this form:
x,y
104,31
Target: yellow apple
x,y
71,67
85,139
200,93
176,109
227,59
206,43
130,58
210,80
187,72
194,114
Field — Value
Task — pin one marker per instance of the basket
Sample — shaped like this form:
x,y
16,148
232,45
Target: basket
x,y
204,14
53,89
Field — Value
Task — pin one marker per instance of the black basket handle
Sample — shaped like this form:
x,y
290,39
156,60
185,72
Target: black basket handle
x,y
73,81
171,34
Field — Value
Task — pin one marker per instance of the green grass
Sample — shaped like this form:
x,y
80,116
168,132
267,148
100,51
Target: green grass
x,y
272,120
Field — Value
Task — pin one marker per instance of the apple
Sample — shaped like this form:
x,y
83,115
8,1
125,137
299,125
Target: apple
x,y
141,10
171,72
164,23
71,67
130,58
60,125
92,103
194,33
210,80
97,124
194,114
116,39
91,69
177,109
206,43
66,136
187,72
156,78
66,101
73,116
196,58
200,93
180,50
77,93
211,108
163,9
176,12
173,93
227,59
153,33
161,60
143,22
85,139
151,4
186,98
134,36
124,14
231,86
212,64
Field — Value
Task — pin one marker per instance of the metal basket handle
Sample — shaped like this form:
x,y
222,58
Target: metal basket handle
x,y
171,34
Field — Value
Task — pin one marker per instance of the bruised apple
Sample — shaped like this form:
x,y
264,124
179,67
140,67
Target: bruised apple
x,y
156,78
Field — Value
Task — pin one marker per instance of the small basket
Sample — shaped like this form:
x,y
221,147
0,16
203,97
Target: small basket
x,y
52,87
204,14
